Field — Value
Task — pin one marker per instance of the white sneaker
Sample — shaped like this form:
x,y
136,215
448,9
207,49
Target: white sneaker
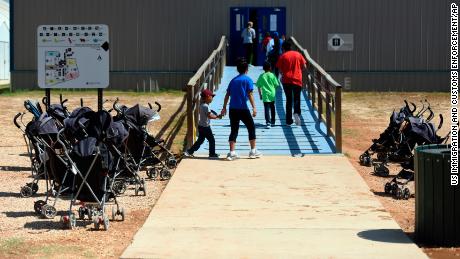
x,y
231,157
255,154
269,125
187,154
297,119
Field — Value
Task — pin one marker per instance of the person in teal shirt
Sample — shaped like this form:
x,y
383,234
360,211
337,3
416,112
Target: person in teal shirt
x,y
267,84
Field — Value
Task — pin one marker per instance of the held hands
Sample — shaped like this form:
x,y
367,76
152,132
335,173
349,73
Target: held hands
x,y
223,112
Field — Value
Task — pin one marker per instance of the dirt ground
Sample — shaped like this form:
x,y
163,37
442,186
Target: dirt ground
x,y
24,234
365,116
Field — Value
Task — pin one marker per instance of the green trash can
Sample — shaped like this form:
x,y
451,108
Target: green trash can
x,y
437,202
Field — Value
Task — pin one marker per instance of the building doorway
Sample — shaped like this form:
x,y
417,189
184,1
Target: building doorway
x,y
265,19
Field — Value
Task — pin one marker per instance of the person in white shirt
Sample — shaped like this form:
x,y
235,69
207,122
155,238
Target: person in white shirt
x,y
249,36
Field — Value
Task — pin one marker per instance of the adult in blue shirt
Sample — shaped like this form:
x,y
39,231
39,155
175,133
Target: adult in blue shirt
x,y
239,91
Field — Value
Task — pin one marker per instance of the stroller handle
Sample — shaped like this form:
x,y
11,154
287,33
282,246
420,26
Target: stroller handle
x,y
44,100
60,141
158,104
115,106
15,120
441,122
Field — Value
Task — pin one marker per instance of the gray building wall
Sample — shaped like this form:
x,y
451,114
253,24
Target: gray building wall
x,y
398,44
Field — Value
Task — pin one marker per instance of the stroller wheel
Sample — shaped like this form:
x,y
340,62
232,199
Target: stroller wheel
x,y
152,173
172,162
119,187
143,187
365,159
106,223
399,193
122,213
34,187
96,223
72,221
38,206
81,213
49,211
26,192
114,213
165,174
381,170
406,193
388,188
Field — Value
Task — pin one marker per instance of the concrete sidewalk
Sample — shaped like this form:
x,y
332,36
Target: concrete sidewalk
x,y
272,207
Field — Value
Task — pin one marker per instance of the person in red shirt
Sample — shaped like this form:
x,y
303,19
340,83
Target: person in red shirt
x,y
291,63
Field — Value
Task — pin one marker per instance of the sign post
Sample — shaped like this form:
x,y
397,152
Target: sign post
x,y
73,56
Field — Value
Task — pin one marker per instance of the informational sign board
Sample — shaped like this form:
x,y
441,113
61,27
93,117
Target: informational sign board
x,y
339,42
73,56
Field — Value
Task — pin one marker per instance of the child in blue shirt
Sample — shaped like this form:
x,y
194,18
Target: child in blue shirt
x,y
239,91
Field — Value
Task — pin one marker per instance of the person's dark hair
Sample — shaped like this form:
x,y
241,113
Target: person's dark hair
x,y
287,46
267,66
241,65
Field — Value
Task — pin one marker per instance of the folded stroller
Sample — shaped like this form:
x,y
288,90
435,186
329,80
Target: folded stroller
x,y
89,161
387,142
126,168
37,135
415,132
147,151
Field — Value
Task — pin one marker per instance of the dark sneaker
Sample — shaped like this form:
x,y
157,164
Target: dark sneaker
x,y
214,156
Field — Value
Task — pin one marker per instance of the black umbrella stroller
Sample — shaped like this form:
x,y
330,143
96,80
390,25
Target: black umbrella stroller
x,y
89,161
40,136
415,132
387,142
148,152
126,169
35,152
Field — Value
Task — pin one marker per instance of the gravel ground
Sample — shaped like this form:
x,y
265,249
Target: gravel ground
x,y
25,233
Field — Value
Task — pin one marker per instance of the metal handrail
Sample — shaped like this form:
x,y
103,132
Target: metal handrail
x,y
207,76
323,91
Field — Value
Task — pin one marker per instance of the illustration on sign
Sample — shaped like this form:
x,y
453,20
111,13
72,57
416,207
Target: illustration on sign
x,y
339,42
73,56
58,69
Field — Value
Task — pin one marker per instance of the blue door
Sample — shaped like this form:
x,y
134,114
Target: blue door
x,y
269,20
239,16
265,19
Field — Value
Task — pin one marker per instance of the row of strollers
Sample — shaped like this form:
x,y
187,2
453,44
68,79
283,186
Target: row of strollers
x,y
88,158
408,128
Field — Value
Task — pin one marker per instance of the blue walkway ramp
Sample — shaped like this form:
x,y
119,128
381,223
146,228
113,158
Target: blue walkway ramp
x,y
308,138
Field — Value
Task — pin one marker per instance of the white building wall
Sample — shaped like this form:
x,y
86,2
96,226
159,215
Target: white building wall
x,y
4,41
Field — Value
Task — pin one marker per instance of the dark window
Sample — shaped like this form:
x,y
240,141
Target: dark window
x,y
336,42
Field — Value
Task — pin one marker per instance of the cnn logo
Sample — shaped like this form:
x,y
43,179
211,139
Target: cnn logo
x,y
454,180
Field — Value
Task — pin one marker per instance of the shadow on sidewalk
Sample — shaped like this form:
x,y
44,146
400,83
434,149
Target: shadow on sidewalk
x,y
385,235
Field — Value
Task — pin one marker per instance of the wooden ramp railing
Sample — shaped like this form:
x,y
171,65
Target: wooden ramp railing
x,y
208,76
325,94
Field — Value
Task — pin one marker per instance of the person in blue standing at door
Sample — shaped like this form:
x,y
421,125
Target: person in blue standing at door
x,y
249,36
239,91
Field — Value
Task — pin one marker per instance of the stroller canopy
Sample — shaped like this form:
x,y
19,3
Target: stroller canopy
x,y
140,116
45,125
424,131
